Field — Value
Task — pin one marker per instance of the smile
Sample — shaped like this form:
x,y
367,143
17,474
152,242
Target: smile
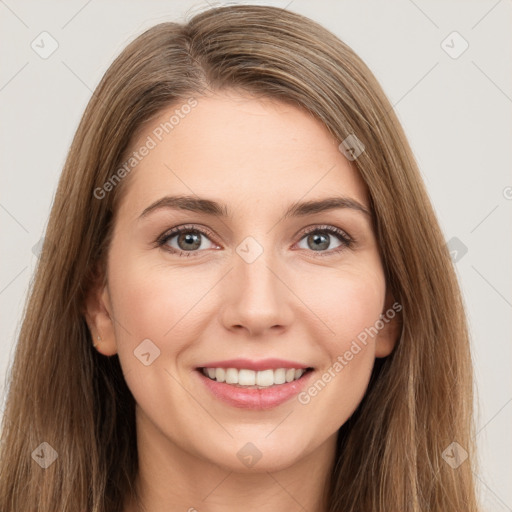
x,y
253,389
251,379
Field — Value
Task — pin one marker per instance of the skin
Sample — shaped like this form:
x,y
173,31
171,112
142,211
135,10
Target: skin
x,y
293,302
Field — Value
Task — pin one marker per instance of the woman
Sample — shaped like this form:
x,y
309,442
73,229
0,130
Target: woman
x,y
248,302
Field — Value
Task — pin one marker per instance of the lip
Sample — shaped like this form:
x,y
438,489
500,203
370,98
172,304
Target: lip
x,y
255,399
263,364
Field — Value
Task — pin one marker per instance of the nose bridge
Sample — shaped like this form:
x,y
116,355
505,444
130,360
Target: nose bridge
x,y
252,270
257,299
257,276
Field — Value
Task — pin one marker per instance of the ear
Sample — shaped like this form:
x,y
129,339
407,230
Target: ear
x,y
388,336
99,318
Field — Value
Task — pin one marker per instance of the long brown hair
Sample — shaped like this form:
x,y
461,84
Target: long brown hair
x,y
63,392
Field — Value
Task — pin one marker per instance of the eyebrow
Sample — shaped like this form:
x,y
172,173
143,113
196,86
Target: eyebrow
x,y
210,207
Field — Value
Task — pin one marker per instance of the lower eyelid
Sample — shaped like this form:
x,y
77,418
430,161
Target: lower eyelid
x,y
345,240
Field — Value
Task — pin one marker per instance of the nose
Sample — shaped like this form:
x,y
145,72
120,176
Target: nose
x,y
257,299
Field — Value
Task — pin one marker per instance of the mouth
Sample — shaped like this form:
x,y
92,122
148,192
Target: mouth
x,y
252,379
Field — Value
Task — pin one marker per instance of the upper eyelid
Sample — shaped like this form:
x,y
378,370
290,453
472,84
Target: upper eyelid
x,y
175,231
325,227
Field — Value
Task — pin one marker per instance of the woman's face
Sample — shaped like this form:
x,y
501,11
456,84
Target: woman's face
x,y
246,281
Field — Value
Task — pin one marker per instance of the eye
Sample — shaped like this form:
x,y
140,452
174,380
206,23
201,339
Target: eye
x,y
185,240
319,238
189,239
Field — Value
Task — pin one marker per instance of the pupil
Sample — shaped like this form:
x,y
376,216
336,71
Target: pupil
x,y
192,241
320,241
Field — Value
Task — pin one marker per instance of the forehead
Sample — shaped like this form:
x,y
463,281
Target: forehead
x,y
239,148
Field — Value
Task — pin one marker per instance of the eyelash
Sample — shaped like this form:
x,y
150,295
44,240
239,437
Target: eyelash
x,y
346,241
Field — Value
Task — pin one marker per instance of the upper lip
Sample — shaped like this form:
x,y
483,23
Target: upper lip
x,y
262,364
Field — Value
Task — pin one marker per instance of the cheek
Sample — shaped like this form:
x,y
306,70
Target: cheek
x,y
153,302
349,303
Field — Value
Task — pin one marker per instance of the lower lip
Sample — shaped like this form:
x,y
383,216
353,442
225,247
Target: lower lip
x,y
258,399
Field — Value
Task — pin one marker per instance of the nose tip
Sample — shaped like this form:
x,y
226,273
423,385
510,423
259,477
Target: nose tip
x,y
257,299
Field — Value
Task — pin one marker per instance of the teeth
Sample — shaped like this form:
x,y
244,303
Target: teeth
x,y
260,379
290,374
220,374
231,376
265,378
280,376
246,377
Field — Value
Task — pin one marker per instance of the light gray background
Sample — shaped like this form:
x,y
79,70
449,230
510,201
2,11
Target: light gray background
x,y
455,111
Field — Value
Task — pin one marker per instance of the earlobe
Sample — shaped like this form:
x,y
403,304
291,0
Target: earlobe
x,y
391,327
99,319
